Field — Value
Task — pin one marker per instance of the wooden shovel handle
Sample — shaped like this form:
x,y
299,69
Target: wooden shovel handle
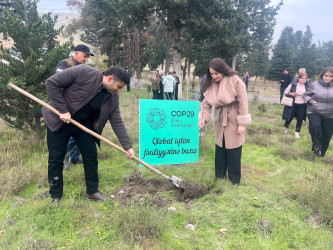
x,y
87,130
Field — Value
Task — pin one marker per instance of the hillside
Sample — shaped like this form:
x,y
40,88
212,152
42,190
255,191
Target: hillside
x,y
63,20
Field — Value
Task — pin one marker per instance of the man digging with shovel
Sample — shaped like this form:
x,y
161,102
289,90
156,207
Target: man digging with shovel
x,y
87,95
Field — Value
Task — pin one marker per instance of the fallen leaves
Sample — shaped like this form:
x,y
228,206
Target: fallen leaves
x,y
223,230
69,244
1,233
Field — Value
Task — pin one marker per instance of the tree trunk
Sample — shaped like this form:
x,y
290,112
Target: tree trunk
x,y
175,24
184,69
137,59
128,52
167,47
188,78
234,59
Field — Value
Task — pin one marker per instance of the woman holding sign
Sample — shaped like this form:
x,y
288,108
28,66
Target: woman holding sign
x,y
224,90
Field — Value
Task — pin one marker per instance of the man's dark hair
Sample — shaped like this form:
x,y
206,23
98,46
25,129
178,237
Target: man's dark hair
x,y
119,73
174,72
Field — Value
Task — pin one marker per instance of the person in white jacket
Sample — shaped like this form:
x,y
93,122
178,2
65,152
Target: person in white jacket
x,y
169,83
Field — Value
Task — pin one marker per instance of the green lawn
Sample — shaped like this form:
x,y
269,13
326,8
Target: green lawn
x,y
284,201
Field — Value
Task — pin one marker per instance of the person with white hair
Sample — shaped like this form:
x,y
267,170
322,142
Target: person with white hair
x,y
301,71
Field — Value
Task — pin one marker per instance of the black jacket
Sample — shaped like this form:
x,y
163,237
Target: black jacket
x,y
287,80
73,88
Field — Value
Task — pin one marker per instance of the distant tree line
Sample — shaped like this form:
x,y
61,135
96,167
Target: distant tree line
x,y
136,33
295,50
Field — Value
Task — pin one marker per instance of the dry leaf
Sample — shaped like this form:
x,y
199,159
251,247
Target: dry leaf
x,y
1,231
223,230
69,244
254,198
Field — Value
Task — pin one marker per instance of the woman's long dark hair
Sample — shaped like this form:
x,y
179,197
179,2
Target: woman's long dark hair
x,y
328,69
220,66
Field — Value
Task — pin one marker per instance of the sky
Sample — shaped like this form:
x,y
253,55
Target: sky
x,y
295,13
299,13
58,6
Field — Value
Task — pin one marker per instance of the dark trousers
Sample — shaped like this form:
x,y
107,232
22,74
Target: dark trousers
x,y
228,159
282,89
321,130
72,151
156,94
57,142
168,95
161,97
176,92
298,112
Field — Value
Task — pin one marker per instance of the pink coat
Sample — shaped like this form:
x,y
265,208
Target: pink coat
x,y
229,98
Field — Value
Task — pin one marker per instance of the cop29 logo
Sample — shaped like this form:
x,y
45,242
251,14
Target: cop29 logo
x,y
156,118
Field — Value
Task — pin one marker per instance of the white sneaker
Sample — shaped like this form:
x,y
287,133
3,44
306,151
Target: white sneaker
x,y
285,130
297,135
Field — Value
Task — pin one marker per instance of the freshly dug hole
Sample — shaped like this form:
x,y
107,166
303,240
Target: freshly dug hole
x,y
139,187
189,191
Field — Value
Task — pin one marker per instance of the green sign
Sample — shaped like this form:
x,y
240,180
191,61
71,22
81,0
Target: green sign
x,y
169,132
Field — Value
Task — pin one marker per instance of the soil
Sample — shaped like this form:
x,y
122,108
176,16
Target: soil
x,y
138,187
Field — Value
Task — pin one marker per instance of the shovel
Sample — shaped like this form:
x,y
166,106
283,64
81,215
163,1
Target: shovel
x,y
174,179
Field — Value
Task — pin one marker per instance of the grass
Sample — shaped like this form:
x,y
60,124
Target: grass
x,y
284,200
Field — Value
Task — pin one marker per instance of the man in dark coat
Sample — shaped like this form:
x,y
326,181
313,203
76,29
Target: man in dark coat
x,y
285,81
174,74
81,56
86,95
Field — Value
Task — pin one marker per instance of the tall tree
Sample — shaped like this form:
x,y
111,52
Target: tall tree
x,y
31,61
155,49
328,52
306,53
282,55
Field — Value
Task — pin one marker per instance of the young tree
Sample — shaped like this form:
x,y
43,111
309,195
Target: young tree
x,y
31,60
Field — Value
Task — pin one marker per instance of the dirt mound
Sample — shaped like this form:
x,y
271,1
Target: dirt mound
x,y
139,187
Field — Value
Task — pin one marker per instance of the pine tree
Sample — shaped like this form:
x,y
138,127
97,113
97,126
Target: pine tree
x,y
282,56
31,60
306,53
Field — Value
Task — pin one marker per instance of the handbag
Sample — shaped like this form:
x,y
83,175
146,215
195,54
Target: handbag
x,y
287,101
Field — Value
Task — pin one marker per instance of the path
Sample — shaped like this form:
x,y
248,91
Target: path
x,y
264,98
249,95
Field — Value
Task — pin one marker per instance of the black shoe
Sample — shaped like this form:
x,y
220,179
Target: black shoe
x,y
96,197
77,161
55,202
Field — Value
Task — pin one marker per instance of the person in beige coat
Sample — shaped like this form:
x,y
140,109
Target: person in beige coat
x,y
224,90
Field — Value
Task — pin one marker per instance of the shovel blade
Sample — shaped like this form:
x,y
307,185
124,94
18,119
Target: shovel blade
x,y
176,180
